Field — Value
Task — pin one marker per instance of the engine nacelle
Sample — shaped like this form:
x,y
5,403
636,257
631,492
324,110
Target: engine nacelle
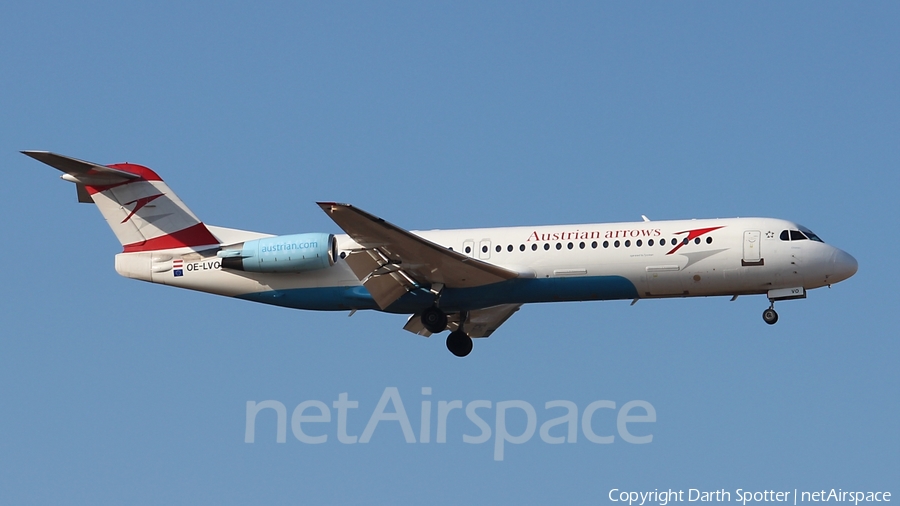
x,y
284,253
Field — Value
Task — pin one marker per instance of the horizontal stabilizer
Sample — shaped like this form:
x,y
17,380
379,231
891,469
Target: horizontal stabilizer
x,y
80,171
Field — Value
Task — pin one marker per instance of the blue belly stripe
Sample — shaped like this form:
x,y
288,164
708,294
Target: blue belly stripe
x,y
514,291
524,291
329,298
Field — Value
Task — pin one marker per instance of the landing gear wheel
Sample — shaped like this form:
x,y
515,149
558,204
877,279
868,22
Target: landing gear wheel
x,y
459,343
434,320
770,316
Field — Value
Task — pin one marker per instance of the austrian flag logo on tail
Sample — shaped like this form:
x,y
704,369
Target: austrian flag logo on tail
x,y
178,267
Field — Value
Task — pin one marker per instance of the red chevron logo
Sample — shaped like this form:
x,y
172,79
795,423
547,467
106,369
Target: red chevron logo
x,y
138,204
691,235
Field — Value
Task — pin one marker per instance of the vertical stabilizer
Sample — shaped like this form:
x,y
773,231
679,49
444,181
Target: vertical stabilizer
x,y
140,208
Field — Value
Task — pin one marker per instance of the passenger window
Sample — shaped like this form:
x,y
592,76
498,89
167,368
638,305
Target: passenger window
x,y
570,245
628,243
498,248
709,240
662,242
546,246
638,243
559,245
581,245
484,249
650,242
534,247
605,244
594,245
696,240
468,249
616,244
521,247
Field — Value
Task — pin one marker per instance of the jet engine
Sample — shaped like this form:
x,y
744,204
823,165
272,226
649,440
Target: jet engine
x,y
284,253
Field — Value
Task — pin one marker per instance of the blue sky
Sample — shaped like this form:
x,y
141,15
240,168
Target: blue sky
x,y
446,115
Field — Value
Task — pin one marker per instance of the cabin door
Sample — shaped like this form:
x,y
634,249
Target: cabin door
x,y
752,254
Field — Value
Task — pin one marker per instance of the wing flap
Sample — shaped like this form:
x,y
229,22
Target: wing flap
x,y
365,262
386,288
414,325
481,322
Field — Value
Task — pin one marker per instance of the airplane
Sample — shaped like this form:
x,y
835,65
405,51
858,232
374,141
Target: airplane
x,y
467,281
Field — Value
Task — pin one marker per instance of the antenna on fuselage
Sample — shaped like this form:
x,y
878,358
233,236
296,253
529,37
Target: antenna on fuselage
x,y
645,218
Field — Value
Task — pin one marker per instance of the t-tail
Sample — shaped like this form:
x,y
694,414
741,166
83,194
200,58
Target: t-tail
x,y
140,208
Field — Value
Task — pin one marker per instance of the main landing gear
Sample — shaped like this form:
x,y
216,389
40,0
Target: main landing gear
x,y
459,343
769,315
435,321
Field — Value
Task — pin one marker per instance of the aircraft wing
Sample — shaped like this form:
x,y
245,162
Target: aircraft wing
x,y
393,261
481,322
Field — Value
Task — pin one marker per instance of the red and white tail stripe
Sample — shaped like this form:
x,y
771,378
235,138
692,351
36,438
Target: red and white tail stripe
x,y
140,208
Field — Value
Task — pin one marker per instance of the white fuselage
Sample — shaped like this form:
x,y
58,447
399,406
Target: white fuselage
x,y
600,261
489,274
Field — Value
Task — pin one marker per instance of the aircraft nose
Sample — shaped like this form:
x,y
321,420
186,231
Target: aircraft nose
x,y
844,265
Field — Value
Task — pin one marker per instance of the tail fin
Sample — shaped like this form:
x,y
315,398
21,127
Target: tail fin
x,y
140,208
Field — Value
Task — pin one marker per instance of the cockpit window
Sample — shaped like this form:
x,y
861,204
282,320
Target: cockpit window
x,y
799,235
796,235
809,233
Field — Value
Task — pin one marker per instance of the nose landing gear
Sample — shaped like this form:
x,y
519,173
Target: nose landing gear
x,y
769,315
797,292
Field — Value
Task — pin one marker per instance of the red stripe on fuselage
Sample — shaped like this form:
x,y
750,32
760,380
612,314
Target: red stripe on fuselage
x,y
692,234
195,235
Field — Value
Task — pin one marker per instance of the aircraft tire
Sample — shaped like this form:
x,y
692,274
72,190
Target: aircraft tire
x,y
770,316
434,320
459,343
